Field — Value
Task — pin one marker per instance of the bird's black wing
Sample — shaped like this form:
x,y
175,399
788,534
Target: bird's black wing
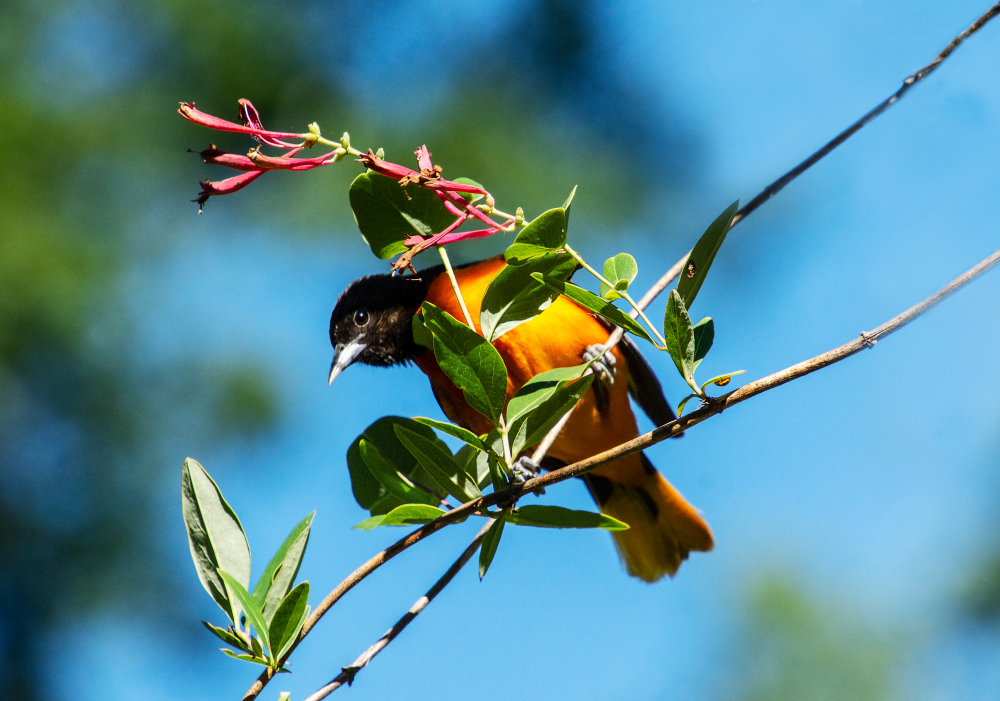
x,y
642,382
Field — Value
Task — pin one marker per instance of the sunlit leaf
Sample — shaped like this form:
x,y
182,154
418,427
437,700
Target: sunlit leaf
x,y
215,535
227,637
462,434
489,547
514,297
532,426
559,517
704,336
247,658
405,515
284,576
470,361
679,335
388,214
288,619
539,388
599,306
254,615
620,271
545,234
279,561
395,482
441,464
698,263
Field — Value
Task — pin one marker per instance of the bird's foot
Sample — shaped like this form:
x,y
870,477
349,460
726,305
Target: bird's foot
x,y
524,469
603,366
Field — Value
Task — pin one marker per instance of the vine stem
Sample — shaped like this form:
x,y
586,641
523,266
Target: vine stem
x,y
348,673
454,286
635,308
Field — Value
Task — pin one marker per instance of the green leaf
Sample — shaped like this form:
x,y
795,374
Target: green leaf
x,y
284,576
368,491
394,481
569,201
546,233
470,361
558,517
247,658
469,197
254,615
532,426
539,388
697,265
721,380
462,434
440,463
405,515
679,335
514,297
421,334
704,336
215,535
388,214
281,560
288,619
489,548
680,407
620,271
468,458
599,306
227,637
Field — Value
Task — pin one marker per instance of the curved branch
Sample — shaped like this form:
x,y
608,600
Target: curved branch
x,y
348,673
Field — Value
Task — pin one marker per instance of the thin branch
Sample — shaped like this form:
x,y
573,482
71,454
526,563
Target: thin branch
x,y
775,187
348,673
454,286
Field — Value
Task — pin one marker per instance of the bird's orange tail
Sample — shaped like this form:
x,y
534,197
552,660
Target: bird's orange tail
x,y
663,526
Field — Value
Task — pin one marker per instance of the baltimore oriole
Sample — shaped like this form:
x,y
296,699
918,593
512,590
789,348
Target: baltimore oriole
x,y
371,323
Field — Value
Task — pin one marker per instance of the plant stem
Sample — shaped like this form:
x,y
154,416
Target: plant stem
x,y
624,295
454,286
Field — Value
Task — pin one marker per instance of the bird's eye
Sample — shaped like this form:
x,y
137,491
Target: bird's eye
x,y
361,317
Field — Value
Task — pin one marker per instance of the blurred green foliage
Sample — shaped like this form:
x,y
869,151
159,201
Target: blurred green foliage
x,y
795,647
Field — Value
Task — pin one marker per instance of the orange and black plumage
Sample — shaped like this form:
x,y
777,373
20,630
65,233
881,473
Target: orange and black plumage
x,y
371,324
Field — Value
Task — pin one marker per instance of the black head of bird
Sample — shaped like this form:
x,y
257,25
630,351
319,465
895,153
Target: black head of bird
x,y
371,322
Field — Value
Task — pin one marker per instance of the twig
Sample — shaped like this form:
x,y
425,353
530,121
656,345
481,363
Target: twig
x,y
349,672
775,187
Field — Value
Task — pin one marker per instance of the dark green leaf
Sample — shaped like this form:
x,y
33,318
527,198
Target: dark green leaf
x,y
679,335
620,271
558,517
254,615
440,463
394,481
697,265
469,458
368,491
539,388
489,548
532,426
546,233
462,434
215,535
470,361
599,306
288,619
284,576
469,197
421,334
388,214
704,336
279,561
514,297
227,637
247,658
405,515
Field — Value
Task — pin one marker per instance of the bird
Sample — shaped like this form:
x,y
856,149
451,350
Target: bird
x,y
371,323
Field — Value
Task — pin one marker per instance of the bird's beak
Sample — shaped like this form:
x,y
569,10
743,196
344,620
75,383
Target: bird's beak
x,y
344,354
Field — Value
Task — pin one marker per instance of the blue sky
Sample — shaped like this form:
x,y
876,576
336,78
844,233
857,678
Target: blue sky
x,y
872,483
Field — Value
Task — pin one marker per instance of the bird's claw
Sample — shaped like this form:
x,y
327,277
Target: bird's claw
x,y
604,365
524,469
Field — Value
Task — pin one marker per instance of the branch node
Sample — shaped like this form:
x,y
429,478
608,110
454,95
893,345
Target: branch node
x,y
869,341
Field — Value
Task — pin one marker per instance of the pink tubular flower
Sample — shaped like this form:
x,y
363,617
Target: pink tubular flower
x,y
225,187
284,163
254,128
429,178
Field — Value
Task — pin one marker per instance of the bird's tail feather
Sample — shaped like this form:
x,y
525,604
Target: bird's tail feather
x,y
663,526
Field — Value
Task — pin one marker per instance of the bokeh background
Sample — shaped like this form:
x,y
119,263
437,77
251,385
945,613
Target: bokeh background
x,y
856,511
